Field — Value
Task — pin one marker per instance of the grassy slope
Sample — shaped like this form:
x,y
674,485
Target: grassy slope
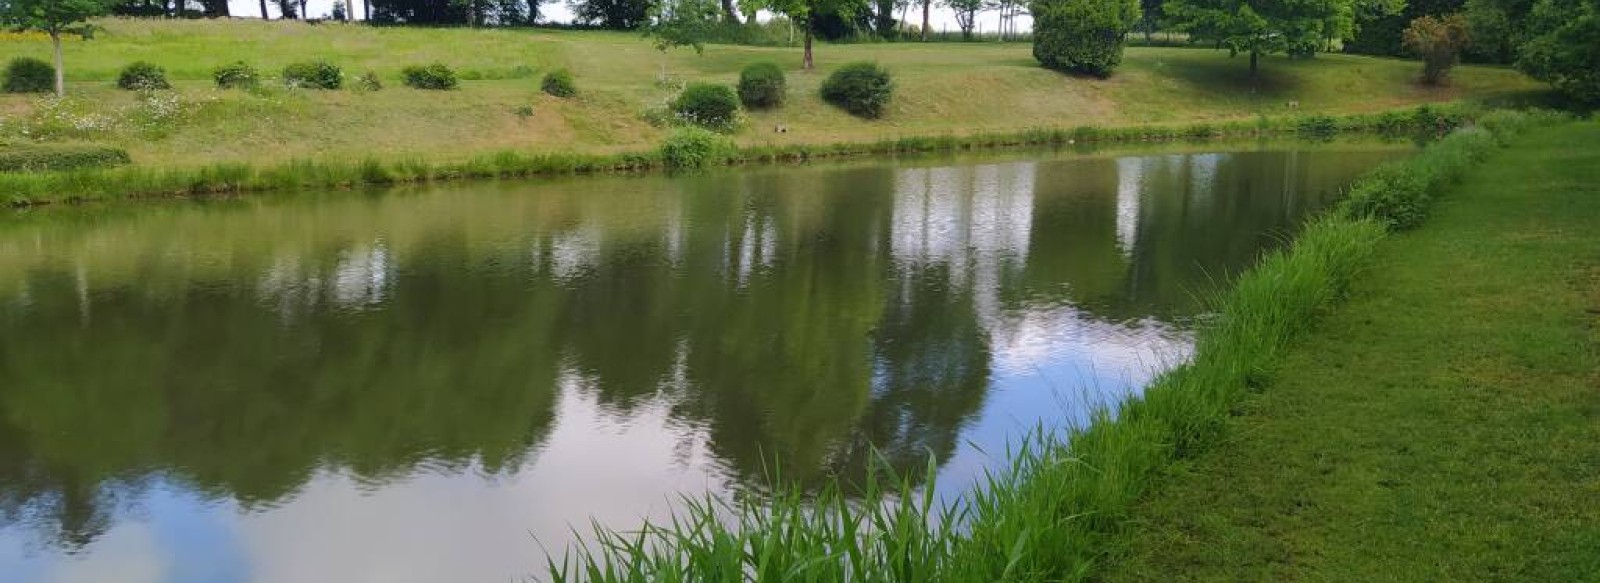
x,y
943,88
1443,426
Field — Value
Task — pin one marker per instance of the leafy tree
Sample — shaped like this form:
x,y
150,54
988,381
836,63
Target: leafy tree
x,y
1082,36
809,14
1378,26
1565,47
613,14
1497,27
1438,41
683,23
1256,27
469,12
55,18
1150,14
966,13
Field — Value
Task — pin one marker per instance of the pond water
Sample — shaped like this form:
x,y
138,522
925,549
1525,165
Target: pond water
x,y
436,384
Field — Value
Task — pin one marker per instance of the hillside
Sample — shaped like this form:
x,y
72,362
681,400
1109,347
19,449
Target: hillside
x,y
942,89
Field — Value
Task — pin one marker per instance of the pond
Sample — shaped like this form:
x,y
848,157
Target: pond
x,y
438,384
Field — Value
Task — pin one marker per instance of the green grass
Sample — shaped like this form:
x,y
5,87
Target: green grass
x,y
1443,426
1054,512
943,89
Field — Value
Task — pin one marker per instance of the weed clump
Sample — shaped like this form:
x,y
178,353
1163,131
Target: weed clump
x,y
142,76
559,83
437,77
236,75
313,75
693,147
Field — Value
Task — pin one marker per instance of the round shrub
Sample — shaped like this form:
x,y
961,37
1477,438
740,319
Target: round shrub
x,y
143,75
437,76
236,75
761,85
707,105
29,75
693,147
1082,36
863,89
559,83
313,75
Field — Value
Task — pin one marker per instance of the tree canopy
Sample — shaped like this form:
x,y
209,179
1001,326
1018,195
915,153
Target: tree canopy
x,y
55,18
1256,27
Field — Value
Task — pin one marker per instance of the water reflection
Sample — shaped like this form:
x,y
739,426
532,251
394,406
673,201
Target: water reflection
x,y
403,387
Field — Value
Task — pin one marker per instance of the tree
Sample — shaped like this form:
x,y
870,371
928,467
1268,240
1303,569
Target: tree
x,y
966,12
1082,36
1009,11
1151,13
808,13
613,14
683,23
55,18
1565,47
1438,41
927,6
1498,28
1256,27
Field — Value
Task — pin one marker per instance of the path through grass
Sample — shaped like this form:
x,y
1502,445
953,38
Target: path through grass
x,y
1444,425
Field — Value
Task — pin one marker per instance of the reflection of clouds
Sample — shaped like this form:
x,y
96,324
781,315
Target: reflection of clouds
x,y
362,276
758,246
614,468
574,252
972,219
1130,185
130,553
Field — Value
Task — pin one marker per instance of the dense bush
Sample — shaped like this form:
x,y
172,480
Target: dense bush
x,y
1317,127
1564,47
140,75
313,75
693,147
863,89
238,75
558,83
437,76
707,105
1082,36
762,85
34,157
1438,41
29,75
1399,194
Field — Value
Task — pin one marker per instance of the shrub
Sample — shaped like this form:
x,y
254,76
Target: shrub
x,y
238,75
559,83
313,75
1317,127
707,105
32,158
863,89
437,76
1082,36
761,85
1439,42
693,147
368,81
29,75
141,75
1398,194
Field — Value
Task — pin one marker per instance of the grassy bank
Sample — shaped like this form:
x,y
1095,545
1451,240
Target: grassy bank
x,y
35,188
1053,513
1443,426
620,78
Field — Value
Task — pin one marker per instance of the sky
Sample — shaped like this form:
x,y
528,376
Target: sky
x,y
559,11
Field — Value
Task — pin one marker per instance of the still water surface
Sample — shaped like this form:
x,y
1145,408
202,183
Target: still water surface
x,y
428,385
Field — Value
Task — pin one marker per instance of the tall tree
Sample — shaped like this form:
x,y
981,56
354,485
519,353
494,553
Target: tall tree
x,y
807,14
264,10
966,12
613,14
55,18
1565,47
1258,27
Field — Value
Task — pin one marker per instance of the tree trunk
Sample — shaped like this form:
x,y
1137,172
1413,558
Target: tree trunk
x,y
264,10
61,77
1254,56
303,14
808,62
729,13
750,19
926,4
366,9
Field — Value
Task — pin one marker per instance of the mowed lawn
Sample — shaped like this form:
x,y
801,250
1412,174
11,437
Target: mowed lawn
x,y
942,89
1444,425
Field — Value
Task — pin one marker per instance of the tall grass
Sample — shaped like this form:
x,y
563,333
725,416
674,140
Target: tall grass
x,y
1048,515
31,188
